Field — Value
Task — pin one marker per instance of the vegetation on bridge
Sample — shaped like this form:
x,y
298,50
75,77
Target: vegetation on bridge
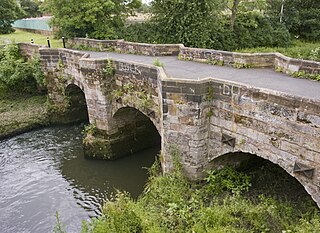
x,y
221,203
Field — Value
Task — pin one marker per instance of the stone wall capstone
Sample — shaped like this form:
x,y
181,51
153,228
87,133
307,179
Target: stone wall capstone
x,y
122,46
248,60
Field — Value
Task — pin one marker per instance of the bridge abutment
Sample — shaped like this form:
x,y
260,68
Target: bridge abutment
x,y
132,132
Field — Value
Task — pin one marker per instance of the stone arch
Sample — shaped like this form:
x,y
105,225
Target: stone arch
x,y
240,159
149,113
77,103
135,131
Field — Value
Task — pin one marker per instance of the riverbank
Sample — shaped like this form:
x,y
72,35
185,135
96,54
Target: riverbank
x,y
20,114
226,201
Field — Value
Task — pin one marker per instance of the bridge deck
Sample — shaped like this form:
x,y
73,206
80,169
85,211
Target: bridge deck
x,y
260,78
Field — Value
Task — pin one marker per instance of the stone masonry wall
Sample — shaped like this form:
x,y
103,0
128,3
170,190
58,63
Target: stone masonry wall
x,y
216,57
209,119
247,60
29,50
122,46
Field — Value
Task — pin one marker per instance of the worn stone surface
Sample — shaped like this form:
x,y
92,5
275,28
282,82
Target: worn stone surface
x,y
206,119
122,46
247,60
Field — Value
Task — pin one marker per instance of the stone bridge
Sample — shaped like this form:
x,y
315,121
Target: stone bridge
x,y
208,112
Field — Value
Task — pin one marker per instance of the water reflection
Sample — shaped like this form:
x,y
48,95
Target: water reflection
x,y
45,171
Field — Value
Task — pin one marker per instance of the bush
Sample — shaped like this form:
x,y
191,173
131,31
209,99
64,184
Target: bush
x,y
253,30
227,179
18,75
171,203
141,32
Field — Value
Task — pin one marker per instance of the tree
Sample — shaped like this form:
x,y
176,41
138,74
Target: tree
x,y
31,8
9,11
243,6
301,17
186,22
100,19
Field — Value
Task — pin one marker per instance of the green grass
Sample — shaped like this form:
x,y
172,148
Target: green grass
x,y
22,36
22,113
299,49
171,203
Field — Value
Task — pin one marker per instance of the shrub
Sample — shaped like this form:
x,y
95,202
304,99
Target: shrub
x,y
18,75
227,179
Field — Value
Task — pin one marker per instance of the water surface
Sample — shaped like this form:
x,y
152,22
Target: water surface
x,y
45,171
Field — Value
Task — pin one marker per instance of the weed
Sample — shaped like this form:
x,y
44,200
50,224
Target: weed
x,y
303,74
210,113
109,70
239,65
209,94
157,62
58,228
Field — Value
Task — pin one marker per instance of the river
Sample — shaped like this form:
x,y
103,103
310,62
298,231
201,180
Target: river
x,y
45,171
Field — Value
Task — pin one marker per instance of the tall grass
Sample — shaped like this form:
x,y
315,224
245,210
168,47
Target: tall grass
x,y
170,203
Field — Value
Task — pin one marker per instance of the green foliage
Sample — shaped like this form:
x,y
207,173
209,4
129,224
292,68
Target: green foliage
x,y
17,75
157,62
9,11
31,8
186,22
117,216
100,19
171,203
109,70
204,24
90,129
227,179
253,29
299,49
301,17
303,74
58,228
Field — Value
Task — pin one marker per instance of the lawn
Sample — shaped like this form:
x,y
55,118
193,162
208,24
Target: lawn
x,y
298,49
22,36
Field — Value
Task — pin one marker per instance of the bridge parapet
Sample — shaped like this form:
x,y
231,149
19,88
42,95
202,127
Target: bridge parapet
x,y
29,50
122,46
249,60
278,61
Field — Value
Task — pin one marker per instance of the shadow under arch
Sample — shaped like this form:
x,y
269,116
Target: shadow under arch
x,y
135,131
268,178
77,107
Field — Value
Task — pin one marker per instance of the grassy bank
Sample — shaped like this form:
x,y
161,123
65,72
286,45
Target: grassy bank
x,y
221,203
20,114
299,49
23,36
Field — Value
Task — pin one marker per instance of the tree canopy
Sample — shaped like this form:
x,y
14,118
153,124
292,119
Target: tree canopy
x,y
301,17
184,21
9,11
101,19
218,24
31,8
